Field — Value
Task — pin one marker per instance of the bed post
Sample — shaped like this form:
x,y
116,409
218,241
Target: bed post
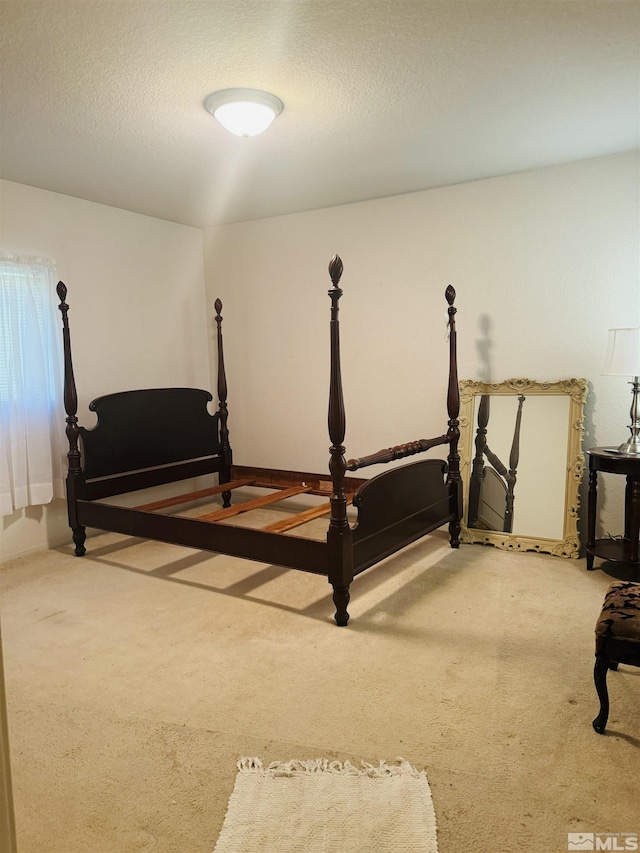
x,y
75,476
477,469
514,458
339,535
453,432
225,448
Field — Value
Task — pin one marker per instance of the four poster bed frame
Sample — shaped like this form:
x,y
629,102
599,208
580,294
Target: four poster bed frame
x,y
157,436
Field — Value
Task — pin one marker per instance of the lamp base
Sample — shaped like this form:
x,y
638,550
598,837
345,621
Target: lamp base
x,y
630,448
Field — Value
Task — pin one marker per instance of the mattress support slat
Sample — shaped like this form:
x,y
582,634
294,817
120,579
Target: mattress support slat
x,y
190,497
255,504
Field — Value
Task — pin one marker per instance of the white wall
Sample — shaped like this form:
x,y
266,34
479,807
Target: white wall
x,y
136,297
544,263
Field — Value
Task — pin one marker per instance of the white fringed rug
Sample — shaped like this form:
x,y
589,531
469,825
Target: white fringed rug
x,y
323,806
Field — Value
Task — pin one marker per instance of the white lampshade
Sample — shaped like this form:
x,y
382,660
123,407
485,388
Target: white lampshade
x,y
245,112
623,353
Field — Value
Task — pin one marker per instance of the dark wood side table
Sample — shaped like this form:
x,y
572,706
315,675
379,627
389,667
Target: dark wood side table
x,y
624,550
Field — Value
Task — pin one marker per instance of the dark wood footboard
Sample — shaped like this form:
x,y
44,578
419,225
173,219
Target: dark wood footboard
x,y
397,507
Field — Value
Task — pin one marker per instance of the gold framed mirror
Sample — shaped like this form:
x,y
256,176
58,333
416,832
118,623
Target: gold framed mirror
x,y
521,464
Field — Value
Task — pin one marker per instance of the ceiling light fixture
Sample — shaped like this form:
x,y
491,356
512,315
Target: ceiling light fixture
x,y
245,112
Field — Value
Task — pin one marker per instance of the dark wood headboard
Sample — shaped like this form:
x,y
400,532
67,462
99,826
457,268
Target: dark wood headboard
x,y
148,428
143,438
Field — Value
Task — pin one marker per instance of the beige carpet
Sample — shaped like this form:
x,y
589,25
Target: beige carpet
x,y
138,675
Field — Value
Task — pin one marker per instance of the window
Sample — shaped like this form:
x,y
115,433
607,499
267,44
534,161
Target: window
x,y
31,369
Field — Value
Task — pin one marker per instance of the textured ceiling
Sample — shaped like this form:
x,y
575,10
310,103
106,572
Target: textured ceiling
x,y
104,100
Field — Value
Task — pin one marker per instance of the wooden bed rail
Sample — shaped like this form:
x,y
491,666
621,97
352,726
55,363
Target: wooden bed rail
x,y
390,454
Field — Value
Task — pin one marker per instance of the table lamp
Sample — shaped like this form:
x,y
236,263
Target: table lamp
x,y
623,359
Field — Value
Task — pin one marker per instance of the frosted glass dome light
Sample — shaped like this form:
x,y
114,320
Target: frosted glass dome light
x,y
245,112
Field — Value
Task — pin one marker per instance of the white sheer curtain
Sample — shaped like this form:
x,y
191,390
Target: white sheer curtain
x,y
32,440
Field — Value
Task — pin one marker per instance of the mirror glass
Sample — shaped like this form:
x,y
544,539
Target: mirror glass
x,y
521,463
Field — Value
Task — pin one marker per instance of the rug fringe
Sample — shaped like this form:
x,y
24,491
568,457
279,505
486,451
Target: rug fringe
x,y
323,765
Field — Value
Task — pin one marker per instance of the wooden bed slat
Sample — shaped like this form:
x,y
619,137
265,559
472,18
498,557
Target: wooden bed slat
x,y
271,478
194,496
255,504
300,518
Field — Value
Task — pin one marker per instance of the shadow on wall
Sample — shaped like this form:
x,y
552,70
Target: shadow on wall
x,y
483,347
48,527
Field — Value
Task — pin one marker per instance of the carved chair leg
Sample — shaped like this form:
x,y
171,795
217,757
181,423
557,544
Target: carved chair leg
x,y
600,678
79,537
226,499
341,598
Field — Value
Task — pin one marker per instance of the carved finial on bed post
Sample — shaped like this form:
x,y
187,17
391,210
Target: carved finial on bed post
x,y
453,432
335,271
74,473
339,534
225,448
